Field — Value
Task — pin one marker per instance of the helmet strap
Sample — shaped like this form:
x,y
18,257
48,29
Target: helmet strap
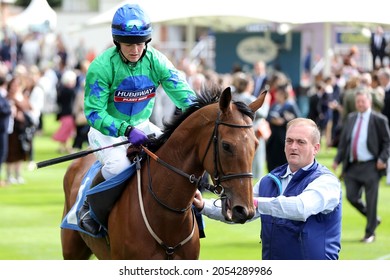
x,y
124,59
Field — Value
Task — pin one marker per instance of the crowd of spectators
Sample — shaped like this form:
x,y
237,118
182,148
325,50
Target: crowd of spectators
x,y
39,70
37,77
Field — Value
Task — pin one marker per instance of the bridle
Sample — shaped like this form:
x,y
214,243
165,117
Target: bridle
x,y
218,175
217,189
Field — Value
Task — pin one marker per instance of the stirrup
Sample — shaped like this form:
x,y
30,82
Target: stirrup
x,y
85,220
87,223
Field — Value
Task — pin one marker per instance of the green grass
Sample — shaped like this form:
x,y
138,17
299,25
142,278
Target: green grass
x,y
30,216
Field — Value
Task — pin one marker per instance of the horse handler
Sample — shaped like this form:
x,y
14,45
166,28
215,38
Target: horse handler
x,y
120,91
299,203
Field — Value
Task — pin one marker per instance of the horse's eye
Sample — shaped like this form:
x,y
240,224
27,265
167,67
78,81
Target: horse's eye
x,y
226,147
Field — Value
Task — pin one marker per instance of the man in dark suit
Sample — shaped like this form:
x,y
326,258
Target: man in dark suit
x,y
364,149
259,77
377,46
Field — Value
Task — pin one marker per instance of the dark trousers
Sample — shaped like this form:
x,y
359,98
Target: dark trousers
x,y
376,55
81,136
361,177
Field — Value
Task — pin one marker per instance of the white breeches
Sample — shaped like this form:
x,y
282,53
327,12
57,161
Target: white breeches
x,y
114,160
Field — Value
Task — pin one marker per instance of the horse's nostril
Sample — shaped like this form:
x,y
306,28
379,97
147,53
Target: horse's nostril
x,y
240,214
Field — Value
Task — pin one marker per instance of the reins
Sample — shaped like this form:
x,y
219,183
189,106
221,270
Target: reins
x,y
169,250
176,210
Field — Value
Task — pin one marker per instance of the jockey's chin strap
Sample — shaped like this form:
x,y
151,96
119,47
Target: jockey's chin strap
x,y
169,250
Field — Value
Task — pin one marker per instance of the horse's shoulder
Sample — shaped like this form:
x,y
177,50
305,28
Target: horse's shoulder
x,y
79,167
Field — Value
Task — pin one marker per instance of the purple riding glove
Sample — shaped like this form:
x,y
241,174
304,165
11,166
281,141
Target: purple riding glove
x,y
136,136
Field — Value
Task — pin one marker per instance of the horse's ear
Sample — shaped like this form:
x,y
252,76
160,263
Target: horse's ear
x,y
224,101
255,105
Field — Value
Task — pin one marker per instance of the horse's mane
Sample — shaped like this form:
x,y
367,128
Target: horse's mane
x,y
207,96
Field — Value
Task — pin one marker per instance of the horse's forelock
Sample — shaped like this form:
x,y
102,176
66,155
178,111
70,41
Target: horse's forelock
x,y
244,109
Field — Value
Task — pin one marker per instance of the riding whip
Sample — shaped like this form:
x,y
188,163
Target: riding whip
x,y
83,153
76,155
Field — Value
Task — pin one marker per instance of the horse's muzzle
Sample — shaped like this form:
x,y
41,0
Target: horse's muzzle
x,y
237,213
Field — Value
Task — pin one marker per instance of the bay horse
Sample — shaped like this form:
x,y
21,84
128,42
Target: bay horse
x,y
153,218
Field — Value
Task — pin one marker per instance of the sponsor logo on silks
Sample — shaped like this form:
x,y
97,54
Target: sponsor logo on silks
x,y
134,96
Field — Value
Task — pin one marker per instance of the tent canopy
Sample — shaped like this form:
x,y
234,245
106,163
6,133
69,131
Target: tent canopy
x,y
38,16
229,14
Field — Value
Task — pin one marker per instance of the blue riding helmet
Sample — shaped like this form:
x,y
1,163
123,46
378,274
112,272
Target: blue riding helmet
x,y
131,25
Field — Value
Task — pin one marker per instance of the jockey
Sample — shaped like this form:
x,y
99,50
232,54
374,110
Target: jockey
x,y
120,92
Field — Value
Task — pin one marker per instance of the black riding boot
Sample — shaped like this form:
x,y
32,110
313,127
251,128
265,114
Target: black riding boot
x,y
86,222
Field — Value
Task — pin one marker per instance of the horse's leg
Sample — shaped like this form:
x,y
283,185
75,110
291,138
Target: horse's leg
x,y
73,246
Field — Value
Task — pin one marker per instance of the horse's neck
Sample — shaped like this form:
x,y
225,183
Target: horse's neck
x,y
182,153
180,156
